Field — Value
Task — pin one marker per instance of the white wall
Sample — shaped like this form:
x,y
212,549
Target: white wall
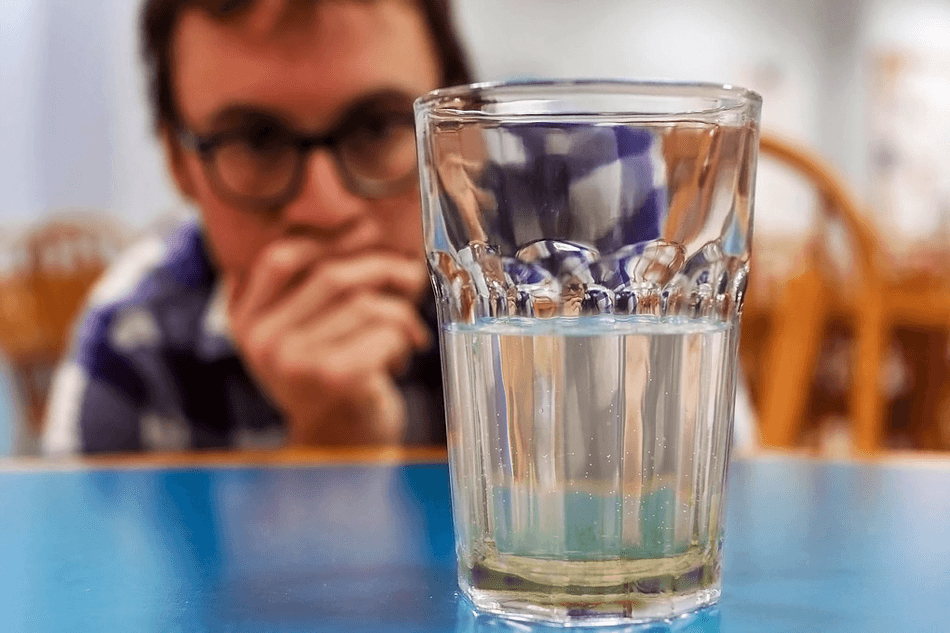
x,y
141,184
63,145
809,59
73,116
76,129
727,41
776,49
20,48
910,191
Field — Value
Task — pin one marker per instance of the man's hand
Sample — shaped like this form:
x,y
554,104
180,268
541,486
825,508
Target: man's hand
x,y
325,336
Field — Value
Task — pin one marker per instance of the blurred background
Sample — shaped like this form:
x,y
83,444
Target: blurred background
x,y
845,343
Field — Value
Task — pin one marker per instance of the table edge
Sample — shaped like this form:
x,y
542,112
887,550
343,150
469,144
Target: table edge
x,y
289,458
901,459
387,455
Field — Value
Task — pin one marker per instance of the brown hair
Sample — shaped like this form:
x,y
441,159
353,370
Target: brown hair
x,y
160,16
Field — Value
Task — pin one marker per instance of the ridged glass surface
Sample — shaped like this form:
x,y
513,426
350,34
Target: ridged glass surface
x,y
589,249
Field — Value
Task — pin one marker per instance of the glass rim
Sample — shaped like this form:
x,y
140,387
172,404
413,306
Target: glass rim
x,y
730,98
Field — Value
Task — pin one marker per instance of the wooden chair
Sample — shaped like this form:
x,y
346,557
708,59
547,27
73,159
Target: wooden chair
x,y
917,301
53,267
802,309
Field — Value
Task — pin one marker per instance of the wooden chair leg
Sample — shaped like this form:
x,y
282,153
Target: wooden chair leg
x,y
867,405
793,350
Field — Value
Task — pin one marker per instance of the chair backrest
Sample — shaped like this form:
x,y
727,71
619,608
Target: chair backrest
x,y
53,267
837,200
783,360
65,258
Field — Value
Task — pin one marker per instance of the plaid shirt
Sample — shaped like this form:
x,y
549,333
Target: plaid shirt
x,y
152,366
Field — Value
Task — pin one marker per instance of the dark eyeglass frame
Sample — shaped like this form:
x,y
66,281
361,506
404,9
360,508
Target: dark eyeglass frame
x,y
206,145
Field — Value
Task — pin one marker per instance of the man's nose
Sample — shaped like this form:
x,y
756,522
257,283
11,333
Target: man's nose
x,y
324,202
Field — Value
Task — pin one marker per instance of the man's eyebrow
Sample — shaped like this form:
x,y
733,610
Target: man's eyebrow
x,y
240,113
234,114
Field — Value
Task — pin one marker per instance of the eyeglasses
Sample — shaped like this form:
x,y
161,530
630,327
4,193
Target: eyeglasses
x,y
260,162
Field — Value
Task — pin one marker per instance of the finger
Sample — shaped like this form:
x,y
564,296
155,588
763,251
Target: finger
x,y
346,321
333,281
378,417
279,267
388,410
345,367
369,310
301,293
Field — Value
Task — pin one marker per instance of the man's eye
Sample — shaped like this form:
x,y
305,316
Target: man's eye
x,y
263,136
376,129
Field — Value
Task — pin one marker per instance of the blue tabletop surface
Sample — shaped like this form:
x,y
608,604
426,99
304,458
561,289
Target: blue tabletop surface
x,y
810,547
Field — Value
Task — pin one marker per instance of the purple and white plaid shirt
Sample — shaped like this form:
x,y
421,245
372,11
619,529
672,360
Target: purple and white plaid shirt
x,y
152,366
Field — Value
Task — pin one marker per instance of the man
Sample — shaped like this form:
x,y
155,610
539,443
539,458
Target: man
x,y
293,311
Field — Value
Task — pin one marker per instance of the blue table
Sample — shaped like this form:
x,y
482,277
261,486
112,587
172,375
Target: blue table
x,y
811,547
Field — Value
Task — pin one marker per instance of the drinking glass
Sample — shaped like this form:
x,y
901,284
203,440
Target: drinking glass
x,y
588,244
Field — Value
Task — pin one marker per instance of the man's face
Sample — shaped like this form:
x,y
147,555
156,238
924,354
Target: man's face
x,y
308,67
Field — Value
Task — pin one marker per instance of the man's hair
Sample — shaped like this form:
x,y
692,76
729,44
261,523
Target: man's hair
x,y
160,16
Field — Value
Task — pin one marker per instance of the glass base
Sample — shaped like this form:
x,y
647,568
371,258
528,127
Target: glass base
x,y
594,610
